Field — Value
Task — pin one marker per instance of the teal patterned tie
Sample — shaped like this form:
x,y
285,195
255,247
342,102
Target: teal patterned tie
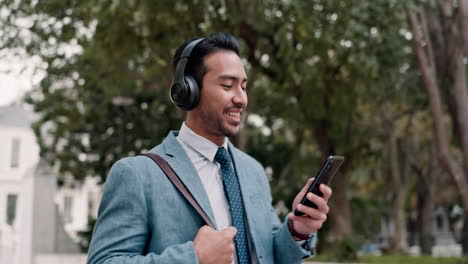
x,y
233,194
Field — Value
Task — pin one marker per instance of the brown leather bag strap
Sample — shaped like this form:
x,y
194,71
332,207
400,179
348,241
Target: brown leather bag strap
x,y
166,168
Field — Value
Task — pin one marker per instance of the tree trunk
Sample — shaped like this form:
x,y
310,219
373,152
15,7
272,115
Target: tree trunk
x,y
425,207
425,192
463,4
399,240
340,211
464,235
460,96
424,53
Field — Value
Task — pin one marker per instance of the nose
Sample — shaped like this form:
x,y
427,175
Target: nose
x,y
240,98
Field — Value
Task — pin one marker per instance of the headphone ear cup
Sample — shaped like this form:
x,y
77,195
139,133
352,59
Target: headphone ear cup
x,y
193,93
178,93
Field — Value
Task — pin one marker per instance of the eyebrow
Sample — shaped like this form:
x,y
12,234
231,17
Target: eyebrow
x,y
230,77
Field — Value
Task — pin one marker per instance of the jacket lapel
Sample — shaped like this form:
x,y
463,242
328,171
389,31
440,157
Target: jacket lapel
x,y
182,165
248,186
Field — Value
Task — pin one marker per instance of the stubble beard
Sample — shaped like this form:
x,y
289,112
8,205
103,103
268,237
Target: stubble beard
x,y
215,126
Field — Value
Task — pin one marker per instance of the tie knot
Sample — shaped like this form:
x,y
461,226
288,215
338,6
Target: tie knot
x,y
222,156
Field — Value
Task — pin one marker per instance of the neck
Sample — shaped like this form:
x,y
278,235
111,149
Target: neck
x,y
201,131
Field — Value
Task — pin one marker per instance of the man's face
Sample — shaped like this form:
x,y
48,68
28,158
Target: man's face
x,y
223,97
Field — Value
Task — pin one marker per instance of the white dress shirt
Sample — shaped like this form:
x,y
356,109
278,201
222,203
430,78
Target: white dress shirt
x,y
202,152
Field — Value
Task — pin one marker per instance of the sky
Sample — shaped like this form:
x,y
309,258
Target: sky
x,y
12,86
16,77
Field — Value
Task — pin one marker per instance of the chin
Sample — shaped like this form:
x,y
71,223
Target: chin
x,y
230,131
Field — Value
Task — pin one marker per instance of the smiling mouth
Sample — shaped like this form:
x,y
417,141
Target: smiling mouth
x,y
235,114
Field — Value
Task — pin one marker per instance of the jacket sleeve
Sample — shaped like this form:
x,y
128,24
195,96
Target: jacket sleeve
x,y
286,249
123,230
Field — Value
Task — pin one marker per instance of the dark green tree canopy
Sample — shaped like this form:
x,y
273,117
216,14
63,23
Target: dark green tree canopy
x,y
317,69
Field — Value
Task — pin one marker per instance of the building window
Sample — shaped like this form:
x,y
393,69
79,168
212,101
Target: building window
x,y
11,209
440,222
15,152
67,208
90,203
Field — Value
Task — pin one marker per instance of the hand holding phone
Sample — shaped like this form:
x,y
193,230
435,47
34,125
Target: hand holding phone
x,y
324,176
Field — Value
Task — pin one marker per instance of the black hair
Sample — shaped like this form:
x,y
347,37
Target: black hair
x,y
195,65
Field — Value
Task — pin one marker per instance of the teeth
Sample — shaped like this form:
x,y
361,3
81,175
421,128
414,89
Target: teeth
x,y
233,114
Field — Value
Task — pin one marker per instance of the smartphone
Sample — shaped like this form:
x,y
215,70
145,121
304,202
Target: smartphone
x,y
324,176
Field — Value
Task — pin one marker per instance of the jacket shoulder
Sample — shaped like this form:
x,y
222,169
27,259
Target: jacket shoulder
x,y
138,164
247,159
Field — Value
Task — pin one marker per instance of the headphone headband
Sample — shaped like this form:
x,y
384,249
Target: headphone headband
x,y
180,68
188,49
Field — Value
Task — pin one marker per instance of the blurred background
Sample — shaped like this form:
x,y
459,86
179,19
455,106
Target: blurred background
x,y
383,83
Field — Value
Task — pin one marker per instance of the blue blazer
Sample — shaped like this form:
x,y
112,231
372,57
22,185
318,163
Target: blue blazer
x,y
143,218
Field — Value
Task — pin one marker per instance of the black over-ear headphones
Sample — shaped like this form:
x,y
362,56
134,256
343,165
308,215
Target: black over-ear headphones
x,y
185,92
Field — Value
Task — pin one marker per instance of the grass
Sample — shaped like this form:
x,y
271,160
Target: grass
x,y
392,259
396,259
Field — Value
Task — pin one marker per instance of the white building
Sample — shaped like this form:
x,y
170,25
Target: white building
x,y
78,202
31,226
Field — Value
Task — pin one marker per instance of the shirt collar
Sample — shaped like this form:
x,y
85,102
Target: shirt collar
x,y
198,143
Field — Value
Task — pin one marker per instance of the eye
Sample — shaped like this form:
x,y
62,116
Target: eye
x,y
227,86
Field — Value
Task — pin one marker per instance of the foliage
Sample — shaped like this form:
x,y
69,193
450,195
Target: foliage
x,y
392,259
368,213
319,74
412,260
343,250
125,49
86,235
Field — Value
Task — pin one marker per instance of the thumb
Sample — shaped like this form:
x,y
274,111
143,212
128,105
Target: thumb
x,y
231,231
205,228
306,187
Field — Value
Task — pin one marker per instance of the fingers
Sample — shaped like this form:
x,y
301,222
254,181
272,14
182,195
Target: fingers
x,y
327,192
212,246
205,229
228,233
311,213
322,207
313,218
321,203
310,224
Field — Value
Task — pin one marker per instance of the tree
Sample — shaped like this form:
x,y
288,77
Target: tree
x,y
441,45
312,66
333,51
108,99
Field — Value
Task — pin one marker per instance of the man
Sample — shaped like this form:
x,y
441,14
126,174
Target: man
x,y
143,218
